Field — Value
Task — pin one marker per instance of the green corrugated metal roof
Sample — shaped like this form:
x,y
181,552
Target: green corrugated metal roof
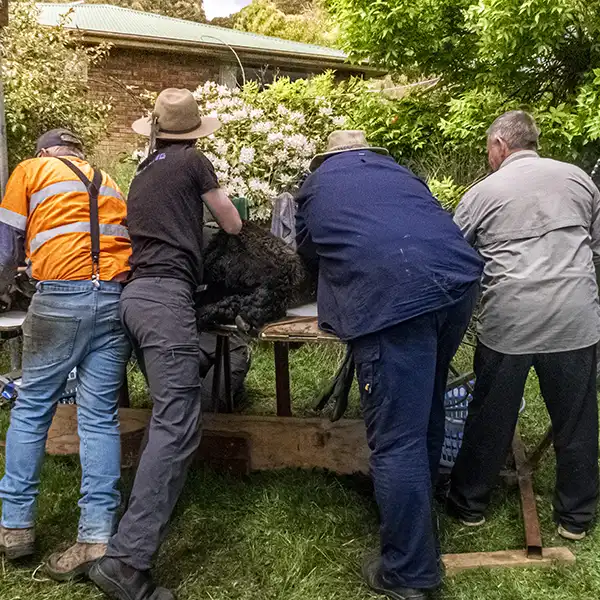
x,y
117,20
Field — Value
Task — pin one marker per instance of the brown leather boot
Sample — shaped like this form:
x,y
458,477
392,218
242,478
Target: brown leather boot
x,y
75,562
17,543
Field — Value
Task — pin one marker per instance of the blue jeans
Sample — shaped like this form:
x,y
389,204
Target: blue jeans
x,y
402,373
69,324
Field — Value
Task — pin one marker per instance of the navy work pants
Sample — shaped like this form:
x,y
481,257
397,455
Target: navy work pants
x,y
568,385
402,373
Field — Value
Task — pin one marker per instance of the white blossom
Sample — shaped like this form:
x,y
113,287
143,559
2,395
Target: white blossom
x,y
275,138
262,127
247,155
297,142
326,111
339,121
281,155
239,114
282,111
286,179
221,146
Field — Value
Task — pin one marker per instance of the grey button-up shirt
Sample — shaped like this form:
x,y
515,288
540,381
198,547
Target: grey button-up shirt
x,y
536,223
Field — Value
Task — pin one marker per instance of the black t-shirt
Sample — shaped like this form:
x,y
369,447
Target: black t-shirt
x,y
165,213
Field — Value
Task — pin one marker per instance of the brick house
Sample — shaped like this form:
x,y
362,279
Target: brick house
x,y
152,52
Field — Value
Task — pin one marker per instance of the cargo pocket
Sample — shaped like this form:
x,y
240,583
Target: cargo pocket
x,y
48,340
182,366
366,357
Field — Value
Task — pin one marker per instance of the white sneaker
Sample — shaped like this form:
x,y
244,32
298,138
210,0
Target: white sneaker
x,y
473,522
569,535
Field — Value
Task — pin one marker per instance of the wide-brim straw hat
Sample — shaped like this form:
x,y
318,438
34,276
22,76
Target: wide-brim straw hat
x,y
176,117
344,141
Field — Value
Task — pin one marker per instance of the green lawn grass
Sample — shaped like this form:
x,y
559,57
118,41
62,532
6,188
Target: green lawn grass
x,y
300,535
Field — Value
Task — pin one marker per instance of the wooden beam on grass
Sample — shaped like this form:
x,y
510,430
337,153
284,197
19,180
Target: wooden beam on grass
x,y
273,442
505,559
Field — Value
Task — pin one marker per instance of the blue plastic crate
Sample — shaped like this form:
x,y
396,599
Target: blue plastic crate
x,y
456,403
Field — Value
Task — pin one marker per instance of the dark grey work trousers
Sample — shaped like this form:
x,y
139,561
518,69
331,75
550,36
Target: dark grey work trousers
x,y
568,385
159,316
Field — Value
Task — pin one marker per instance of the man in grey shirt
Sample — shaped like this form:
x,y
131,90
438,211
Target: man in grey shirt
x,y
536,223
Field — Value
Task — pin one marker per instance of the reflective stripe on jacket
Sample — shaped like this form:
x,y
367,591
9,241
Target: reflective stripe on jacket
x,y
45,200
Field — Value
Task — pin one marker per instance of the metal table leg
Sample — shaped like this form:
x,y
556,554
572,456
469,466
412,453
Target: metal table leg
x,y
540,450
216,386
227,375
531,521
282,379
222,368
124,394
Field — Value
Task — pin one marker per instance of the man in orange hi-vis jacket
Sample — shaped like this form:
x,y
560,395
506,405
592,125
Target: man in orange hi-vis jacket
x,y
68,220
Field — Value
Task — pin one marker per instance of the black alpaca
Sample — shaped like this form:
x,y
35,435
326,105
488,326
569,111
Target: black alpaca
x,y
251,278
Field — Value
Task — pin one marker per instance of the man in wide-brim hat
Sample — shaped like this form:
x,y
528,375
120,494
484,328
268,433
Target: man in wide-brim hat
x,y
165,220
398,282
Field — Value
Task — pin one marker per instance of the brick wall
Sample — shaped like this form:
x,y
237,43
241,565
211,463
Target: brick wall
x,y
126,73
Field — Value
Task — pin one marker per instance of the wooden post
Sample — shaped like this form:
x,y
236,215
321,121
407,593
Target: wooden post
x,y
3,13
3,147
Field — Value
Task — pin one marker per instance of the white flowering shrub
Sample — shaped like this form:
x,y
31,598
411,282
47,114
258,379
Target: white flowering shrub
x,y
268,137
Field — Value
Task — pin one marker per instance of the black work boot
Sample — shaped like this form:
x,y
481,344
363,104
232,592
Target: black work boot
x,y
371,571
122,582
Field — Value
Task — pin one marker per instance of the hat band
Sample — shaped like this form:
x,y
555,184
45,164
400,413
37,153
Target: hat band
x,y
177,131
348,147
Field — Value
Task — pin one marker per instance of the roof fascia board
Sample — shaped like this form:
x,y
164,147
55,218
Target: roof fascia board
x,y
210,49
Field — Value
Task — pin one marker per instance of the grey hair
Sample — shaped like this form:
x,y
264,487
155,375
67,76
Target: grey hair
x,y
517,128
65,151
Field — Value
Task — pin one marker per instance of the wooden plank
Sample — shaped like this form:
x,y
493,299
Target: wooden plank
x,y
455,563
296,329
273,442
224,453
531,521
277,443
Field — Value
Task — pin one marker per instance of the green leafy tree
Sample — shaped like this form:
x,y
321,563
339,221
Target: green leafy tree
x,y
312,26
44,71
190,10
228,22
293,7
490,56
527,48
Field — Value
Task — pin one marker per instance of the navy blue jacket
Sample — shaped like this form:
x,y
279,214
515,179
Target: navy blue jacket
x,y
387,251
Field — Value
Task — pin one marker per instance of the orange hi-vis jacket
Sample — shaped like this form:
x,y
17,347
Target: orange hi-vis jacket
x,y
50,206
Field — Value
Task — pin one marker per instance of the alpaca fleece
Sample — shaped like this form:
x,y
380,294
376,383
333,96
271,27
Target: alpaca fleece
x,y
253,275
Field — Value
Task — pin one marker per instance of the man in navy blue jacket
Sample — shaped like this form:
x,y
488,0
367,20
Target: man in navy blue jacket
x,y
398,282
